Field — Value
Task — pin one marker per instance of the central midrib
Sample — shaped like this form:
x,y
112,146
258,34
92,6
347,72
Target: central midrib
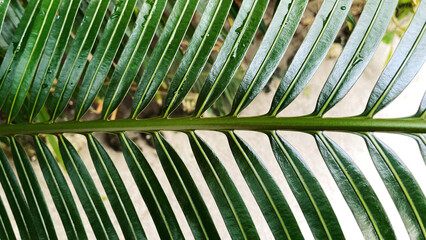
x,y
259,123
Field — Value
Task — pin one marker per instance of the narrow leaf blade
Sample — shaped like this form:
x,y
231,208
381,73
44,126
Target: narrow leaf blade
x,y
402,186
357,191
34,195
16,200
265,190
25,69
115,190
312,200
133,55
402,67
60,191
6,230
186,192
359,49
52,55
156,201
197,54
229,201
311,53
14,50
87,192
77,55
231,53
271,50
104,55
163,54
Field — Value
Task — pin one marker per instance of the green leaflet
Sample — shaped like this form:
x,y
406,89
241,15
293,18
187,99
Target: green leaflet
x,y
422,108
402,187
357,191
421,112
3,9
163,54
270,52
115,190
231,53
104,55
87,192
16,200
60,192
6,231
127,37
359,49
401,68
421,141
265,190
233,210
314,203
133,55
52,55
77,56
28,61
33,193
14,50
197,54
311,53
186,192
156,201
421,138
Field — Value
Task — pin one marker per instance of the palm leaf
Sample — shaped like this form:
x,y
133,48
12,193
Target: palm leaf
x,y
60,52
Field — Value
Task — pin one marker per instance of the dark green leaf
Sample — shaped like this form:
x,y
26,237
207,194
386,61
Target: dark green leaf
x,y
231,206
311,53
197,54
104,55
16,200
163,54
231,53
270,52
116,191
151,190
60,192
87,192
403,66
308,192
422,108
11,58
402,186
265,190
186,192
77,55
421,141
52,55
6,231
33,193
359,50
361,198
133,55
28,61
3,9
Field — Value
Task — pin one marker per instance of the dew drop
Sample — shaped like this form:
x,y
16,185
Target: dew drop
x,y
343,7
44,85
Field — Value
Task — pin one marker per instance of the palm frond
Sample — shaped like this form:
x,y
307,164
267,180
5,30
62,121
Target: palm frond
x,y
62,58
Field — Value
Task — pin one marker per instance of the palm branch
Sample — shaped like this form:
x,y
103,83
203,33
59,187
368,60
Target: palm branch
x,y
58,52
